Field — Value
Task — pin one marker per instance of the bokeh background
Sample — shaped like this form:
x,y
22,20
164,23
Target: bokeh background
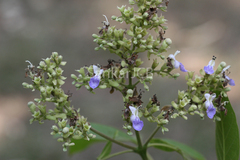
x,y
32,29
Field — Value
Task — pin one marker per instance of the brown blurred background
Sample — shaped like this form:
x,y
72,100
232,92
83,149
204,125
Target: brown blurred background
x,y
32,29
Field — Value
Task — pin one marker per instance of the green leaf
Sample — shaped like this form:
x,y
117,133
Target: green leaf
x,y
106,150
82,144
184,150
227,135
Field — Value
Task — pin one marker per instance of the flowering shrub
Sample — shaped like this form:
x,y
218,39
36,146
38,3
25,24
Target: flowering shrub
x,y
206,93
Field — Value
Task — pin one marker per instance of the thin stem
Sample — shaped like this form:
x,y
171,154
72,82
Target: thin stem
x,y
116,154
138,139
130,78
151,136
112,140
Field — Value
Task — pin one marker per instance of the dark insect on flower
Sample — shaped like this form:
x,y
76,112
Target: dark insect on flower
x,y
105,27
112,90
168,109
126,111
220,105
151,12
132,59
169,63
166,3
73,119
155,101
110,64
161,34
136,99
69,95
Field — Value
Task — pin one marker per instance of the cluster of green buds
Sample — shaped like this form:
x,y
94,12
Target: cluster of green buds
x,y
47,78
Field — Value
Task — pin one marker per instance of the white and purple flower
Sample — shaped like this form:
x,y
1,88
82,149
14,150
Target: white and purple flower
x,y
176,63
211,110
229,80
136,122
209,68
95,80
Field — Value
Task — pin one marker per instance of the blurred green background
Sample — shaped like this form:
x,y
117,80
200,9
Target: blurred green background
x,y
32,29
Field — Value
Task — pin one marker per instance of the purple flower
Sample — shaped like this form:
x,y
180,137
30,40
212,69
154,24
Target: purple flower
x,y
209,68
95,80
211,110
175,63
136,122
230,81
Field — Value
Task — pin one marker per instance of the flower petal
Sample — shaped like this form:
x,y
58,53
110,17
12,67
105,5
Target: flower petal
x,y
176,64
133,110
94,82
182,68
231,82
211,111
95,69
208,69
137,124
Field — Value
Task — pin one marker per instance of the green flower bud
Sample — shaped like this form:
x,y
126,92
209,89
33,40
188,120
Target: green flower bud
x,y
113,83
60,140
198,79
42,64
95,36
184,102
129,92
36,114
25,85
145,86
59,71
114,17
129,127
184,117
62,124
227,89
129,133
145,15
131,2
168,41
86,127
32,106
42,109
63,63
196,99
175,115
49,117
176,75
73,76
65,130
48,61
192,108
190,74
60,82
162,121
104,86
55,128
54,54
116,33
174,105
223,64
37,80
181,94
